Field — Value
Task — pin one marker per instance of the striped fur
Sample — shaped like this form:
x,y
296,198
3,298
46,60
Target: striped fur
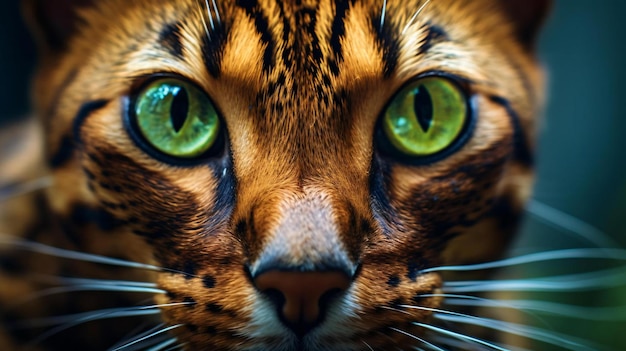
x,y
300,86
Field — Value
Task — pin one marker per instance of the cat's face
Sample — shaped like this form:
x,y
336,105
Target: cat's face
x,y
300,209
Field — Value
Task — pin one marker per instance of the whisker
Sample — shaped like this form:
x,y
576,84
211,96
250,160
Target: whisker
x,y
85,287
135,337
206,27
8,192
177,347
565,221
461,345
567,254
451,299
163,345
80,256
430,345
217,12
511,328
368,345
394,309
84,317
460,336
616,313
162,331
538,334
576,282
383,14
209,14
75,255
594,313
415,16
121,313
81,318
80,281
133,334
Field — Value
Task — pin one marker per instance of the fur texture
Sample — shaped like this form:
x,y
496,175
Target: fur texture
x,y
300,86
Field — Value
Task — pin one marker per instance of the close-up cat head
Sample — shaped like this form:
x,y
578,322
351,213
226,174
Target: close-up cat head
x,y
273,175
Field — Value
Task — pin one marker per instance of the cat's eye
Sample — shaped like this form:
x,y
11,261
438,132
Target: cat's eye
x,y
175,118
426,117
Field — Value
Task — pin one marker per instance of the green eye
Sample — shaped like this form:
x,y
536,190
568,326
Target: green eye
x,y
426,117
176,118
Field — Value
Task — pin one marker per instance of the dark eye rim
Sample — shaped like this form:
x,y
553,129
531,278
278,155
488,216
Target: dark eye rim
x,y
390,153
216,152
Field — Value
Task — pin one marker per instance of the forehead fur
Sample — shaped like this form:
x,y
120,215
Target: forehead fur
x,y
328,63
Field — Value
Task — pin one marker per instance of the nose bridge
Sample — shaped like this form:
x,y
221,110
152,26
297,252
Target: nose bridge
x,y
306,235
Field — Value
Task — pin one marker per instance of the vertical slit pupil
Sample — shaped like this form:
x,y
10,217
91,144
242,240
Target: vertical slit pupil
x,y
423,105
179,109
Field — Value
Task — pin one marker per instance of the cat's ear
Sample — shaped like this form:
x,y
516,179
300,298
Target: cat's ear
x,y
527,16
53,22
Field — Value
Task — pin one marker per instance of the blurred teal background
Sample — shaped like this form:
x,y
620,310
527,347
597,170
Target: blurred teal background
x,y
582,150
582,147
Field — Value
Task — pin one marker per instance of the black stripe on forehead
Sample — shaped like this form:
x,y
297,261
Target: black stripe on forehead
x,y
170,39
434,35
307,49
390,35
261,23
338,30
287,51
388,38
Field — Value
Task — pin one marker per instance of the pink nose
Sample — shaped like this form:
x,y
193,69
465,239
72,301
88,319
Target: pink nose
x,y
302,297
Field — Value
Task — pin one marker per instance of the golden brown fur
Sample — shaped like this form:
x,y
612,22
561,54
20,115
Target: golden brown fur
x,y
301,119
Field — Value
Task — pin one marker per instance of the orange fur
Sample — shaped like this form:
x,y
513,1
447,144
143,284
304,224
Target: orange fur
x,y
301,163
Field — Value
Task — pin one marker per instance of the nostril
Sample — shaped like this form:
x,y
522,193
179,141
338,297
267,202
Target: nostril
x,y
302,298
328,297
275,296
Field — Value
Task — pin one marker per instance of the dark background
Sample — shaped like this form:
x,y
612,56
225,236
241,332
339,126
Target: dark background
x,y
581,162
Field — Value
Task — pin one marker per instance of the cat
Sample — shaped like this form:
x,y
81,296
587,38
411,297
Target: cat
x,y
270,175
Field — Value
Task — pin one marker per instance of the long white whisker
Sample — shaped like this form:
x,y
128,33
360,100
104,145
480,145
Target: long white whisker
x,y
383,14
430,345
77,319
84,317
13,191
177,347
394,309
79,256
586,313
206,27
163,345
415,16
81,281
462,345
121,313
137,336
84,287
217,13
450,299
210,14
568,254
517,329
511,328
576,282
570,223
460,336
162,331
